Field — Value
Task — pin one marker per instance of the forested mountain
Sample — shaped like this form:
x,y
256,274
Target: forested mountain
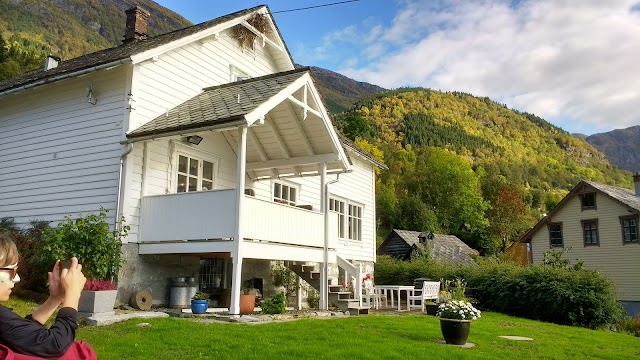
x,y
33,29
467,165
620,146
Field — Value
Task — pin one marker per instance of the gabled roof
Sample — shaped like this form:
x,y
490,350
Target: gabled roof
x,y
120,53
347,143
625,196
442,247
223,104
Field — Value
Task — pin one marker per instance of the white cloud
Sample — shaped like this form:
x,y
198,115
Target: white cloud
x,y
575,63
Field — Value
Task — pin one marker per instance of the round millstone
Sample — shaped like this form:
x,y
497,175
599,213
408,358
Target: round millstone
x,y
516,338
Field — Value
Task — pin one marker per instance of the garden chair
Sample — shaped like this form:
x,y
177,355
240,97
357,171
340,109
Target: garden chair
x,y
373,295
429,291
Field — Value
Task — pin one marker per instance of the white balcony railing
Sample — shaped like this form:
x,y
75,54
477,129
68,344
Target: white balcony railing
x,y
211,215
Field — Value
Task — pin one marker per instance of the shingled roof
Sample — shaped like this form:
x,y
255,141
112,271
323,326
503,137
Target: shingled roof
x,y
625,196
119,53
442,247
223,104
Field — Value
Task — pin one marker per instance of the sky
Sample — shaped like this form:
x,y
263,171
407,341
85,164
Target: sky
x,y
574,63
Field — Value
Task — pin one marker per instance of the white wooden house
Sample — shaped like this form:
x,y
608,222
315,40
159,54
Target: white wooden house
x,y
219,154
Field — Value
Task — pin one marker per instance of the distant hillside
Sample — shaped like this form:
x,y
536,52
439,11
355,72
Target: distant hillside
x,y
522,147
621,147
70,28
340,92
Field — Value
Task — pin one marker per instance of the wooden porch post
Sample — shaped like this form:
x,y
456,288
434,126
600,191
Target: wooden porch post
x,y
236,276
324,271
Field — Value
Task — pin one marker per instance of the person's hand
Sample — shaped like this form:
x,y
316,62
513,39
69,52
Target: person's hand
x,y
72,280
56,291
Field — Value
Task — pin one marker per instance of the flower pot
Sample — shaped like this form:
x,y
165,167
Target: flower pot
x,y
97,302
247,304
455,331
432,309
199,306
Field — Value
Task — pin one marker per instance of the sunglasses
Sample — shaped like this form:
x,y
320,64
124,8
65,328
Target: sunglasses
x,y
12,269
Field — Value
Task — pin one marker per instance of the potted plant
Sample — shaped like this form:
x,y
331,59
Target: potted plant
x,y
97,248
431,307
199,303
455,321
247,301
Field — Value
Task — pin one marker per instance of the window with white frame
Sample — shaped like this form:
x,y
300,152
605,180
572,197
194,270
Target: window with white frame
x,y
195,173
349,218
284,193
338,207
237,74
355,222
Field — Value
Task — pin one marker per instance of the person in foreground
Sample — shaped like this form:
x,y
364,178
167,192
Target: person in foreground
x,y
27,338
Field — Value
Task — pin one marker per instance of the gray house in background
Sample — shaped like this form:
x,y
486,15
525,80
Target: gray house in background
x,y
401,243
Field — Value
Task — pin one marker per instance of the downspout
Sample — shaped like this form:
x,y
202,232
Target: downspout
x,y
120,186
325,254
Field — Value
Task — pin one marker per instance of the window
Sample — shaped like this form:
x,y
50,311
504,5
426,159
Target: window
x,y
349,218
237,74
355,222
590,232
337,206
629,228
555,235
285,193
195,174
588,201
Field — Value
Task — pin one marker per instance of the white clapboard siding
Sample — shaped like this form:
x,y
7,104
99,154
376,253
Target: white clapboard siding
x,y
59,155
614,259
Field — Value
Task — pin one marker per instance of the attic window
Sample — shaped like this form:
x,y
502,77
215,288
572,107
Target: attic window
x,y
588,201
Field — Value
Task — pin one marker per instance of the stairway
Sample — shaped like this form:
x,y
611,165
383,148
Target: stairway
x,y
343,300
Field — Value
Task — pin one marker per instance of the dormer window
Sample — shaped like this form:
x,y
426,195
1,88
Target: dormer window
x,y
588,201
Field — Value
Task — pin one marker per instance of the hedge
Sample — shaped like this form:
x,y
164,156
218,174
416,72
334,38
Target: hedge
x,y
580,297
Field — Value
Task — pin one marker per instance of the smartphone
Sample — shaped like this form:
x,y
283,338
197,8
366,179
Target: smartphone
x,y
65,264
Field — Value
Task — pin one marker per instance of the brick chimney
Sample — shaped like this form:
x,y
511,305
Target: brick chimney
x,y
136,25
636,181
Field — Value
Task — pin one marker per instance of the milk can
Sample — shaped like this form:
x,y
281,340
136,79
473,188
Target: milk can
x,y
193,288
179,295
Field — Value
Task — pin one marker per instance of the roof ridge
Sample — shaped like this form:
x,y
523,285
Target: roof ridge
x,y
259,78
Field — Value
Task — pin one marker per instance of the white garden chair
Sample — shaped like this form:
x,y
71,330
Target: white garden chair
x,y
373,295
429,291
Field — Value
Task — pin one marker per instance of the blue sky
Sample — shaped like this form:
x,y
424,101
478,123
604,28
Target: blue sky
x,y
575,63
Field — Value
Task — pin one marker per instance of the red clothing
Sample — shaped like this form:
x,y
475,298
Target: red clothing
x,y
79,350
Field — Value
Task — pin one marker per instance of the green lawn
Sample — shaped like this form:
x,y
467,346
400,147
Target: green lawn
x,y
411,336
365,337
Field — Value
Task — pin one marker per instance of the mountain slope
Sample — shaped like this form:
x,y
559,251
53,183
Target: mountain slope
x,y
621,147
522,147
339,91
70,28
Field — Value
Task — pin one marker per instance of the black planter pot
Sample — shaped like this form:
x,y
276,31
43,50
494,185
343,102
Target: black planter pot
x,y
455,331
432,309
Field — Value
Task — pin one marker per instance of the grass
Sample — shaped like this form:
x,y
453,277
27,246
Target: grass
x,y
366,337
410,336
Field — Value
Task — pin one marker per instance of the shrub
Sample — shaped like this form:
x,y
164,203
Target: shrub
x,y
629,325
90,240
563,295
274,305
28,241
200,296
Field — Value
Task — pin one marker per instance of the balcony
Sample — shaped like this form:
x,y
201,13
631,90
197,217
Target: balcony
x,y
210,215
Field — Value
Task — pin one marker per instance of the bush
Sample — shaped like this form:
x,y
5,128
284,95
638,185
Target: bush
x,y
569,296
89,239
629,325
28,241
274,305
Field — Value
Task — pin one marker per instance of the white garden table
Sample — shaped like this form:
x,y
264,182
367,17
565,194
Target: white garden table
x,y
397,289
